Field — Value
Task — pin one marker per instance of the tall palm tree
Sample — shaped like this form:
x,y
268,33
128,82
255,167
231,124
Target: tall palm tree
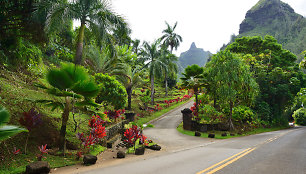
x,y
93,14
170,66
151,57
170,38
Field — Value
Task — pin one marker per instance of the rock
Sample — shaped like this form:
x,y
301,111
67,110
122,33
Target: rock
x,y
89,159
140,151
211,135
154,147
120,154
224,134
38,167
109,145
197,134
232,134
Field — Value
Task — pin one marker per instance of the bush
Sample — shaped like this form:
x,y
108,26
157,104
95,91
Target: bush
x,y
300,116
243,114
112,92
209,114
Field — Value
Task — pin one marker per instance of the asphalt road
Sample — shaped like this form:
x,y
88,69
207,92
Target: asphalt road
x,y
273,152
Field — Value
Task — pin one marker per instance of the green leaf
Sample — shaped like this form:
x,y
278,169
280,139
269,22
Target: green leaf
x,y
59,79
8,131
4,115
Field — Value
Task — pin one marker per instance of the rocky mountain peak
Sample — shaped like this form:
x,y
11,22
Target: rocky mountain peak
x,y
193,46
264,12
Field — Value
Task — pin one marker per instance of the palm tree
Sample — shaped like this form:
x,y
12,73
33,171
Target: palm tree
x,y
170,67
94,14
73,86
151,57
130,78
193,79
170,38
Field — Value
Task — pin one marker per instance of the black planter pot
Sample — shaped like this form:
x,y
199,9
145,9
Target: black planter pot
x,y
140,151
130,116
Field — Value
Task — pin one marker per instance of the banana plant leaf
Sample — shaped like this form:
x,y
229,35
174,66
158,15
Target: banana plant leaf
x,y
8,131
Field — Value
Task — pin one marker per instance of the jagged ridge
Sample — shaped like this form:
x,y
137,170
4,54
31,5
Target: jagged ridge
x,y
278,19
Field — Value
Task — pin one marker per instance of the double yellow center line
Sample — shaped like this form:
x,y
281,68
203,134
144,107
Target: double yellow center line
x,y
216,167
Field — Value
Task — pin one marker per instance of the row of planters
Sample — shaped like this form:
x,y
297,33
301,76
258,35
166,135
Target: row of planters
x,y
160,105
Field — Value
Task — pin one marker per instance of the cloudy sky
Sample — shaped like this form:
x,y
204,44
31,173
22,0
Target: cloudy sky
x,y
208,23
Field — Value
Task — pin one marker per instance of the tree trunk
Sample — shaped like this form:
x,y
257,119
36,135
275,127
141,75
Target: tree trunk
x,y
129,93
79,49
230,122
166,84
152,89
65,117
26,144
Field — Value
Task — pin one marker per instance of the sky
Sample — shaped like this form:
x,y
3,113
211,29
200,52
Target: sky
x,y
208,23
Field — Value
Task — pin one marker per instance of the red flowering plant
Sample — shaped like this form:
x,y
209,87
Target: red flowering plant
x,y
134,135
96,134
16,151
43,150
115,114
30,120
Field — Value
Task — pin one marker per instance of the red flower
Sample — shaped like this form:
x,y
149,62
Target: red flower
x,y
16,152
43,149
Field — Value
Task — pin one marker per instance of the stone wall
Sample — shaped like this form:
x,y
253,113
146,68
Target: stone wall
x,y
116,129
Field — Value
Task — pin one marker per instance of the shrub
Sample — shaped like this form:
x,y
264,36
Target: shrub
x,y
243,114
112,92
300,116
209,114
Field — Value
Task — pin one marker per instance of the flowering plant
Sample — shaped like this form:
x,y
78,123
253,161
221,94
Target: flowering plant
x,y
43,150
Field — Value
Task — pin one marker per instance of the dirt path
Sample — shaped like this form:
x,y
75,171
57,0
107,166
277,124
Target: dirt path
x,y
164,133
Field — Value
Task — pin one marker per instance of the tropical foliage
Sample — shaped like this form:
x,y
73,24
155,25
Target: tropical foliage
x,y
6,131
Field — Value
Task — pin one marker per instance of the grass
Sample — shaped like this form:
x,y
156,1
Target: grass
x,y
218,133
20,161
155,115
19,164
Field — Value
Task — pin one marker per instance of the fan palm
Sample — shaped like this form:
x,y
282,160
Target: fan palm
x,y
151,55
170,38
193,79
94,14
73,84
131,79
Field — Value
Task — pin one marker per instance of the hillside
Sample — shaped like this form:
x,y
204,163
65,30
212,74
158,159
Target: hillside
x,y
193,56
278,19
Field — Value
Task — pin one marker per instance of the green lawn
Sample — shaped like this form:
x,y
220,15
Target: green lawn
x,y
146,119
218,133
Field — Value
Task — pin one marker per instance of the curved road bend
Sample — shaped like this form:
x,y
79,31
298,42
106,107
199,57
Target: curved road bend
x,y
278,152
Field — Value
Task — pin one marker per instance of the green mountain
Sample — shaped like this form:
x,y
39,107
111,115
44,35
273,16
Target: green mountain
x,y
278,19
193,56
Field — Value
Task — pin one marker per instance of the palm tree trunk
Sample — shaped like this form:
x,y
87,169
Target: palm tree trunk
x,y
65,117
79,49
129,93
152,89
166,84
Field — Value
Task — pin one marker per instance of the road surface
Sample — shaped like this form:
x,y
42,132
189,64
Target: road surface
x,y
278,152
